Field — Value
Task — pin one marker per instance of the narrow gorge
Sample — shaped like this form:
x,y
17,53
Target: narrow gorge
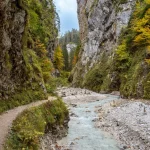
x,y
75,90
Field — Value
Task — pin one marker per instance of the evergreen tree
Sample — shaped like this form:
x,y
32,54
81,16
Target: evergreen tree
x,y
69,37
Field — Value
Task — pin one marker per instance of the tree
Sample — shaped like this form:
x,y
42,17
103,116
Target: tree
x,y
66,59
141,24
72,52
70,37
44,63
76,53
58,58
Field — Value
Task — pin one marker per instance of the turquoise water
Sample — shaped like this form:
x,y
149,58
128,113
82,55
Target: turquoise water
x,y
82,134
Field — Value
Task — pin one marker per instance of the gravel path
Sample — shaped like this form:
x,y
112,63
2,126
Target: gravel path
x,y
7,118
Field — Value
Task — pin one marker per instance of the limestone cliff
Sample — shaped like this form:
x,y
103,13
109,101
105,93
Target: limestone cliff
x,y
27,37
105,26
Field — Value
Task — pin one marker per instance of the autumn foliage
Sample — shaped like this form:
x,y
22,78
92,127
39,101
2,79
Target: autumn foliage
x,y
58,58
141,23
76,55
45,62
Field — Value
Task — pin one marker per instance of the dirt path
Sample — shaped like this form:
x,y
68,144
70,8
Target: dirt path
x,y
7,118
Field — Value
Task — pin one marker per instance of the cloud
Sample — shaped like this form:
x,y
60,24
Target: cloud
x,y
67,10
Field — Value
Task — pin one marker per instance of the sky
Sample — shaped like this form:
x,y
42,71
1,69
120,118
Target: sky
x,y
67,10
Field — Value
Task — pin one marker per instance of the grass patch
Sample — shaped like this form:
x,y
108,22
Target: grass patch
x,y
97,78
146,84
33,123
21,98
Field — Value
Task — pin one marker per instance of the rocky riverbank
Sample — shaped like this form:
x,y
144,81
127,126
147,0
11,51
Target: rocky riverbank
x,y
82,133
57,132
78,95
128,122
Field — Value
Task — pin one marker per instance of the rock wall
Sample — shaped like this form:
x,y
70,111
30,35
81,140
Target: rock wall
x,y
28,32
12,25
104,24
101,23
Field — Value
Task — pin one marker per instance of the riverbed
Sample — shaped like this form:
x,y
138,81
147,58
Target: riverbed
x,y
82,133
105,121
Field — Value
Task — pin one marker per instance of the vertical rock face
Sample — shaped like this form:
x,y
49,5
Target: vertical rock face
x,y
28,34
82,20
12,24
101,22
115,47
104,27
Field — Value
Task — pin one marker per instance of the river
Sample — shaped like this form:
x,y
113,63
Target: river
x,y
82,133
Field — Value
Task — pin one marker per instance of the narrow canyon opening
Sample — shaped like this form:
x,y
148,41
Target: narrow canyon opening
x,y
74,74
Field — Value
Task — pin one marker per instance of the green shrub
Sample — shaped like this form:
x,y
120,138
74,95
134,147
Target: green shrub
x,y
32,123
94,79
146,84
46,76
22,97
